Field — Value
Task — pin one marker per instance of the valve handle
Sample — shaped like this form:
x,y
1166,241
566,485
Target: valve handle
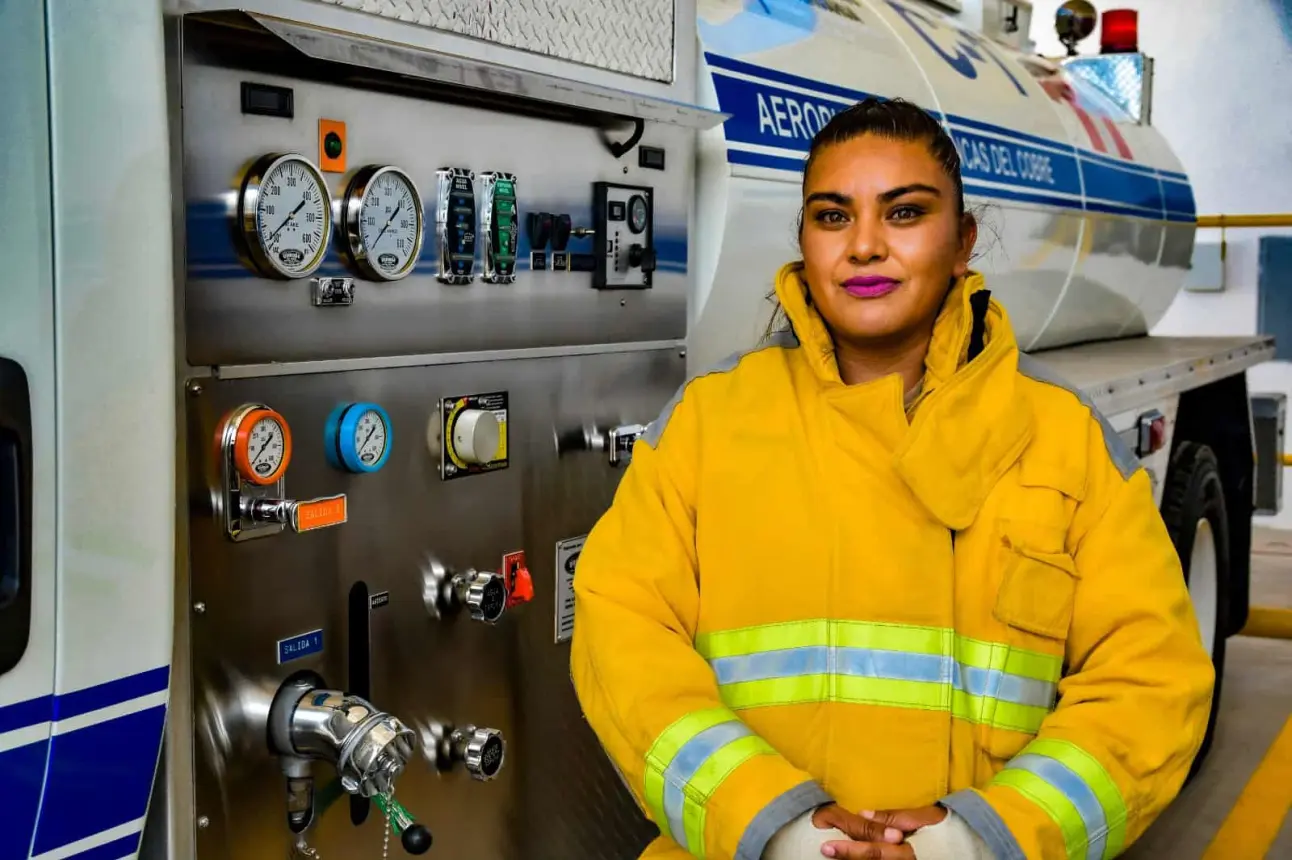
x,y
416,839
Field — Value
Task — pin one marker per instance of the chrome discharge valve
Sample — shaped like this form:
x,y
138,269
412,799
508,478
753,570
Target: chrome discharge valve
x,y
617,441
369,749
480,751
482,593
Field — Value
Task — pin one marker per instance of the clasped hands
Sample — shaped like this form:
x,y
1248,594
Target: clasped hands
x,y
878,835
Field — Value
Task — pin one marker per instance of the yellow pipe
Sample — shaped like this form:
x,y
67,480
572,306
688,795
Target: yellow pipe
x,y
1287,459
1266,623
1271,220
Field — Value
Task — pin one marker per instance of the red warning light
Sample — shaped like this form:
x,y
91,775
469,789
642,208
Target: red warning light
x,y
1119,31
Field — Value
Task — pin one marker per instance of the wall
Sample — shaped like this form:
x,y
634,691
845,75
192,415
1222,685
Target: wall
x,y
1223,97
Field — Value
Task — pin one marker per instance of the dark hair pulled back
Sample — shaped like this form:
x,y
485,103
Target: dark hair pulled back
x,y
894,119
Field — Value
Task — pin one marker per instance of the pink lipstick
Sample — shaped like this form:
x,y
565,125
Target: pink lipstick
x,y
870,286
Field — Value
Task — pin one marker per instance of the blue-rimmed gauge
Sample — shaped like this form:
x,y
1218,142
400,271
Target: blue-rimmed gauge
x,y
358,437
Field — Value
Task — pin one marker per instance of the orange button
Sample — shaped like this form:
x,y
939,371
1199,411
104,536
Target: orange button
x,y
332,146
319,514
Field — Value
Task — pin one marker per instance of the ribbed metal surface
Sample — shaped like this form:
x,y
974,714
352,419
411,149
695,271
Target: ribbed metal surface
x,y
634,37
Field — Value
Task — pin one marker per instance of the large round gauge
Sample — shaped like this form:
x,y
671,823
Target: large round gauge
x,y
285,213
637,213
383,222
357,437
262,446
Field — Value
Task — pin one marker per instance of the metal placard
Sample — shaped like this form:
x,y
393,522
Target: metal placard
x,y
567,556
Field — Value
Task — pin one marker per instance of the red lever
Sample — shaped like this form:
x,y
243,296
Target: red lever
x,y
520,585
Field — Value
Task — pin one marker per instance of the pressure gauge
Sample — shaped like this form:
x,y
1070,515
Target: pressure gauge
x,y
285,215
262,446
357,437
383,222
637,213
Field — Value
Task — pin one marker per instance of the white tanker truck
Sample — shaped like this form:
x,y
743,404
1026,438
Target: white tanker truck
x,y
328,325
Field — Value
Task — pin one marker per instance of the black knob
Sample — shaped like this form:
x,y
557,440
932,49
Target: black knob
x,y
642,257
416,839
484,594
561,227
540,230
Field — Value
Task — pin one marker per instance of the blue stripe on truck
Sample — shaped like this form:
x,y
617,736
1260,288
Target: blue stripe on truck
x,y
92,779
782,112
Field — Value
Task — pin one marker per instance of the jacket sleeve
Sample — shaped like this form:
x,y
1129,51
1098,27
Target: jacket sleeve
x,y
699,773
1134,705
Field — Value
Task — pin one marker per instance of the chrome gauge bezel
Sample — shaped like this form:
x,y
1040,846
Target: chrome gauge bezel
x,y
248,203
352,215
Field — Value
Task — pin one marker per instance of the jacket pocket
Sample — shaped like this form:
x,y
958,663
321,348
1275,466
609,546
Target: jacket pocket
x,y
1037,592
1035,603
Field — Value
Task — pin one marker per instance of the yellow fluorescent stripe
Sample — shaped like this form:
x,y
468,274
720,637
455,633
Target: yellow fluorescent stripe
x,y
1254,822
653,788
693,824
911,639
805,689
765,637
893,637
675,736
1053,802
994,712
1093,774
720,765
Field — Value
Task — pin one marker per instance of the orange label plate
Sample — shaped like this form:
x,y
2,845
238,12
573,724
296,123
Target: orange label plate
x,y
320,513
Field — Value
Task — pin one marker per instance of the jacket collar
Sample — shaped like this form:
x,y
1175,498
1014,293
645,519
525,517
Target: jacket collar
x,y
972,423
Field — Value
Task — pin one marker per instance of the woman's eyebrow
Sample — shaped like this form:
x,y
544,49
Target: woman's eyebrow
x,y
901,190
830,197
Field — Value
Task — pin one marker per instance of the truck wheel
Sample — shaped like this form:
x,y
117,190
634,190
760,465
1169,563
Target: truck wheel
x,y
1193,507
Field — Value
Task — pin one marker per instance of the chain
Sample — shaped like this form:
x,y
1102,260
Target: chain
x,y
302,850
385,807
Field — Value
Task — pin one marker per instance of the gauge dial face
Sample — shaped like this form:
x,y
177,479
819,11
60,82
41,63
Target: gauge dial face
x,y
293,218
637,213
390,224
266,447
370,437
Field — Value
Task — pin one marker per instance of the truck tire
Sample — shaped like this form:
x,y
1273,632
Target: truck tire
x,y
1193,507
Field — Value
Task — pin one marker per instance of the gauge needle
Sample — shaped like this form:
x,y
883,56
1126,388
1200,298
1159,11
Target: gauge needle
x,y
262,449
370,432
289,217
389,221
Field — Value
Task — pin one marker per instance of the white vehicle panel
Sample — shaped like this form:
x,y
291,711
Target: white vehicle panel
x,y
27,338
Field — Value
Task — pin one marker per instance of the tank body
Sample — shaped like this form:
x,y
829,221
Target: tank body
x,y
1087,219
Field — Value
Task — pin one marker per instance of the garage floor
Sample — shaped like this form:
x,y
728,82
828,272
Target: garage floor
x,y
1255,704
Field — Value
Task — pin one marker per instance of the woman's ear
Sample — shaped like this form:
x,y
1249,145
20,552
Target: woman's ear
x,y
968,238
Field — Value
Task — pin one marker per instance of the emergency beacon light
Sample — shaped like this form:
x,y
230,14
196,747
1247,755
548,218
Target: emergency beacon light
x,y
1120,32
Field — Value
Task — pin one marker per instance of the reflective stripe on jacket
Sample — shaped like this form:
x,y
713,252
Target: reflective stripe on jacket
x,y
799,595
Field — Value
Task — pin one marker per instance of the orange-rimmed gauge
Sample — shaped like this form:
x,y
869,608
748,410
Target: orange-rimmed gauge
x,y
262,446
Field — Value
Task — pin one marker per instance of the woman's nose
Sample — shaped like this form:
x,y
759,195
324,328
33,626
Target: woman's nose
x,y
867,241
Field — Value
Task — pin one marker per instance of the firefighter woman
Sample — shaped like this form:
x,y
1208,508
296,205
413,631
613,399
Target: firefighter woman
x,y
883,587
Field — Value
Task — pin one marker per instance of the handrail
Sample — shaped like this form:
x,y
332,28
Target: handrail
x,y
1280,219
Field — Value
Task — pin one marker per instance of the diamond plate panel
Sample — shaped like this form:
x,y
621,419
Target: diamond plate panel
x,y
632,37
466,17
1120,77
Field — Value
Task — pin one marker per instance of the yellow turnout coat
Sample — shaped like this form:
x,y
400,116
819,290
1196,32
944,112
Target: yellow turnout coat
x,y
800,595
